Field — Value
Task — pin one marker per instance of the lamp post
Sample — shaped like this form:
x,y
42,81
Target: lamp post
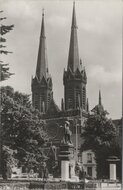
x,y
76,125
0,125
1,146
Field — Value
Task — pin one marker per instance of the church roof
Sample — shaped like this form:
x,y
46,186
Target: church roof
x,y
98,108
73,58
53,108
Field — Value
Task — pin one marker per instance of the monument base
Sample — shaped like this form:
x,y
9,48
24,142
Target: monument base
x,y
65,155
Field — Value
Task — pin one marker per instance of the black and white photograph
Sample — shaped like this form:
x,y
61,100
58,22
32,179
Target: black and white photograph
x,y
61,94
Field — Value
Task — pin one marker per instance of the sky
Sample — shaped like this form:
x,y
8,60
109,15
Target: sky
x,y
99,38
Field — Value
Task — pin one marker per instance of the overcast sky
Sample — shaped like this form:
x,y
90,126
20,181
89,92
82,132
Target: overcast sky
x,y
99,38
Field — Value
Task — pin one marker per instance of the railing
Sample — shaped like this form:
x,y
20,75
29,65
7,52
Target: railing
x,y
39,185
25,184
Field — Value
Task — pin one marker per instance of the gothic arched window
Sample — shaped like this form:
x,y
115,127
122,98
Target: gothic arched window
x,y
49,98
84,97
36,100
43,96
42,101
70,98
77,94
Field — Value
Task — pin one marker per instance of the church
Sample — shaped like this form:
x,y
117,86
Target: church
x,y
74,105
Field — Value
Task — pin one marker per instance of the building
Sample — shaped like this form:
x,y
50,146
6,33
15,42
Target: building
x,y
89,165
74,105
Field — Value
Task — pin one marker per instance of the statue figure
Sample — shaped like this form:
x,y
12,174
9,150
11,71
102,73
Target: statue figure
x,y
52,157
67,133
43,171
79,171
52,151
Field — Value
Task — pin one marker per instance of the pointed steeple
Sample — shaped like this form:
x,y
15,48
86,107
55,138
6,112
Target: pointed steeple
x,y
74,78
73,59
100,100
42,69
41,96
99,107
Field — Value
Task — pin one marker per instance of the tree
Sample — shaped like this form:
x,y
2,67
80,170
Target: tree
x,y
99,134
52,159
8,161
4,68
23,130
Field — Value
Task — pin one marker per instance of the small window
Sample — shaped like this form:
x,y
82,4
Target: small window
x,y
89,157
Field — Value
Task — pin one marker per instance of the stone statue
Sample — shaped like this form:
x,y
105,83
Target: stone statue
x,y
67,133
52,151
52,157
43,171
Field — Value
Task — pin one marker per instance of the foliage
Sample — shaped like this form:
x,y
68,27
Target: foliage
x,y
23,129
98,131
101,158
52,159
99,135
4,72
4,69
8,161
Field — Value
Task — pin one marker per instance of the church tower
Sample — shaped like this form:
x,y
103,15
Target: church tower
x,y
42,82
74,78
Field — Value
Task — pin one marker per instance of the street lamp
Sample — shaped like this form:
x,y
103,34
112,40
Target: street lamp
x,y
76,125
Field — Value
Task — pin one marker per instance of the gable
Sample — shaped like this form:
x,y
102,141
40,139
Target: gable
x,y
43,81
53,108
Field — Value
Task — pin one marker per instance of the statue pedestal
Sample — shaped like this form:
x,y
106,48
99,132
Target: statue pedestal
x,y
65,155
113,171
65,170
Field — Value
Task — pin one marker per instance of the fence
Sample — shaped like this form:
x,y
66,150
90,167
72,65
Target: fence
x,y
39,185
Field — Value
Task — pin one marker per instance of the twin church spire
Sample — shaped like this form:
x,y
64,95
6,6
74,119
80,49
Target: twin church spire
x,y
74,78
73,58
